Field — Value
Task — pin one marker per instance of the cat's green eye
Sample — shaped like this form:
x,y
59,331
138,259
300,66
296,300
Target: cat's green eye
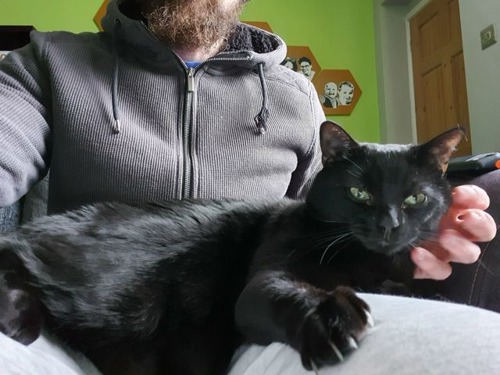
x,y
415,200
360,195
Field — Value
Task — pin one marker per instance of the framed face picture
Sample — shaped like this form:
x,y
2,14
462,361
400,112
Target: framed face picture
x,y
13,37
302,60
338,91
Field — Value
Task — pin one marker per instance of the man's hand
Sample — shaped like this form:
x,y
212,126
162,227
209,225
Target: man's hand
x,y
465,222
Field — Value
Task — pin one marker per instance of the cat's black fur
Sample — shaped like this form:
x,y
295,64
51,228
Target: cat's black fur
x,y
173,288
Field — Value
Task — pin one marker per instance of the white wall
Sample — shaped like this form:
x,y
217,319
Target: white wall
x,y
392,71
482,73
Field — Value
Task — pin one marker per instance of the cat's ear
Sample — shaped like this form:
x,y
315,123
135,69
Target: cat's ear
x,y
441,147
335,142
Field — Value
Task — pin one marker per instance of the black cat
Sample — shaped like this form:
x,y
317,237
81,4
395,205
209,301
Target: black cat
x,y
174,288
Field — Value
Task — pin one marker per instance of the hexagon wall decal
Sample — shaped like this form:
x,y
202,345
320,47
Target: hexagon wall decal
x,y
302,60
260,25
100,13
338,91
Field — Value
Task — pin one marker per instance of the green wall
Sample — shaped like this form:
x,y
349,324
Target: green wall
x,y
47,15
339,33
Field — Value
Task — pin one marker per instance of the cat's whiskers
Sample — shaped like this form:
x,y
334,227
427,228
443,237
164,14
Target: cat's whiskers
x,y
355,175
430,237
412,245
317,240
353,163
333,256
336,253
327,238
308,243
337,240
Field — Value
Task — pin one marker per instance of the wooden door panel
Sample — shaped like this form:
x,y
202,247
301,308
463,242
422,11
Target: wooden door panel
x,y
432,34
431,100
439,71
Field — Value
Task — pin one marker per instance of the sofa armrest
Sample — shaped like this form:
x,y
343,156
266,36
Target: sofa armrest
x,y
10,217
29,207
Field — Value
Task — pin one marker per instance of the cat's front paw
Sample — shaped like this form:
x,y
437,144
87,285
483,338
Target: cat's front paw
x,y
333,329
21,316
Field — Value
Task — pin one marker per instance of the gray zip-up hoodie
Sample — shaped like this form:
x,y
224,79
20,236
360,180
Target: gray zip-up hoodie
x,y
118,116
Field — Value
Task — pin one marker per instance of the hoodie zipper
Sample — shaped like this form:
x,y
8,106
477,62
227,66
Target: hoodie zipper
x,y
186,136
189,114
187,125
190,80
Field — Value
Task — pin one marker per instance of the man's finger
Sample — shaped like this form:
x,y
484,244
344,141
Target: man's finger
x,y
429,266
475,224
470,196
458,248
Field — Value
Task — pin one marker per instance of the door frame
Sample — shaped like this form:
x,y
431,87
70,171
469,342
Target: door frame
x,y
411,82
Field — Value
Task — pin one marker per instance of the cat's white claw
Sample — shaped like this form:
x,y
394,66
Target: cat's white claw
x,y
314,367
336,350
352,343
369,319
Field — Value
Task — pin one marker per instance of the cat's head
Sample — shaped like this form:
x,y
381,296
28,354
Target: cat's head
x,y
389,196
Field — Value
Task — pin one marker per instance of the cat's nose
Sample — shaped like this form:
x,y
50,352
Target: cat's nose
x,y
388,225
388,231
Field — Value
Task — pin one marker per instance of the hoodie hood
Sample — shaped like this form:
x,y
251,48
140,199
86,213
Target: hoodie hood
x,y
247,47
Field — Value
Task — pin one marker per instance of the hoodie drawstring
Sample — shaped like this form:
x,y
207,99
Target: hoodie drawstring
x,y
260,119
263,115
114,85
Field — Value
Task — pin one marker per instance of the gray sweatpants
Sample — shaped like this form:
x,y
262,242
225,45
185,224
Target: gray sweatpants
x,y
410,336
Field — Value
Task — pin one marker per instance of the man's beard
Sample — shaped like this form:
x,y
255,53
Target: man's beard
x,y
191,24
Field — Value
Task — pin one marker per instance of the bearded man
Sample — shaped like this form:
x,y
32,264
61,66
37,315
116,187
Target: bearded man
x,y
176,99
